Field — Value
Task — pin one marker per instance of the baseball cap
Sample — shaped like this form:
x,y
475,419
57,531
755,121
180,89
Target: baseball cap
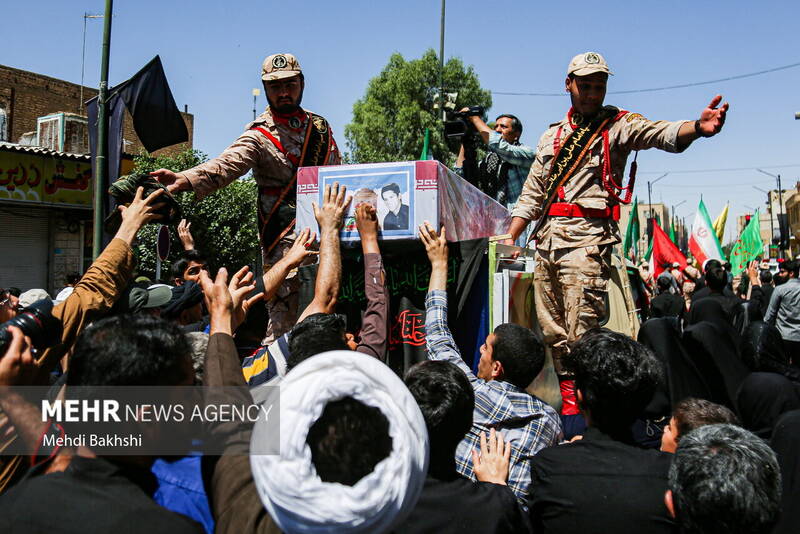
x,y
588,63
136,298
32,295
280,66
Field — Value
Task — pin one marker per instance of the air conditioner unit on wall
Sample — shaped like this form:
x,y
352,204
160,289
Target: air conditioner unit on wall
x,y
63,132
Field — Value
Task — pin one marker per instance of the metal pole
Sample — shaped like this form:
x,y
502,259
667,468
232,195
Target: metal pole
x,y
83,61
441,62
102,134
649,211
256,92
780,212
83,55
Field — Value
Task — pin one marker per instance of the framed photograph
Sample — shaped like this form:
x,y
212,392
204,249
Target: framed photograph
x,y
389,187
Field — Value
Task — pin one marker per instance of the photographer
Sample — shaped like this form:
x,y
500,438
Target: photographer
x,y
504,169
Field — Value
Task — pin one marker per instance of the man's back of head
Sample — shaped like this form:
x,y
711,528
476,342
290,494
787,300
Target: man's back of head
x,y
317,333
520,352
446,400
615,377
664,284
131,350
348,440
724,480
716,279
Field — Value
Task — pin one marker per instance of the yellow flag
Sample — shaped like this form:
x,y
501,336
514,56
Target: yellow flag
x,y
719,223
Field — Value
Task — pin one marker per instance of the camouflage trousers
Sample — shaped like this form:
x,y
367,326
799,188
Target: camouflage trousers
x,y
282,308
570,287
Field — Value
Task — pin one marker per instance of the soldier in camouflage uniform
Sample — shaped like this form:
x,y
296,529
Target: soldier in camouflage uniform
x,y
273,146
578,211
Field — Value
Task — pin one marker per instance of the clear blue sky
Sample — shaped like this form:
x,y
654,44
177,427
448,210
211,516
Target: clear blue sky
x,y
212,52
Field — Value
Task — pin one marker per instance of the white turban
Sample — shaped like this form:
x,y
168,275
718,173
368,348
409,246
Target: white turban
x,y
292,492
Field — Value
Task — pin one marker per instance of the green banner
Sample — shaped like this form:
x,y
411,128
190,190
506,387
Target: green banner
x,y
748,247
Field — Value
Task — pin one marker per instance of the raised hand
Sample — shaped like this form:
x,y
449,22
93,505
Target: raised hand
x,y
331,215
492,463
435,244
219,302
712,118
301,248
138,213
239,287
367,221
185,234
175,182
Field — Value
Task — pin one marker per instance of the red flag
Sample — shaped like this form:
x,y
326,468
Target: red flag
x,y
665,252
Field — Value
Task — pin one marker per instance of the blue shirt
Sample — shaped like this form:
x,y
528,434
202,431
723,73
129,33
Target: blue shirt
x,y
527,423
520,157
180,489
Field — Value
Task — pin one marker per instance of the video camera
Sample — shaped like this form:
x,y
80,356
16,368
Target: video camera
x,y
458,124
37,322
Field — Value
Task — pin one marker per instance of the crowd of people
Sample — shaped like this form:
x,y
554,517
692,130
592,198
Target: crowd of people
x,y
691,428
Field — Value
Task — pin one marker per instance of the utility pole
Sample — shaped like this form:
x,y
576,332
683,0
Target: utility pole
x,y
102,135
441,63
780,209
256,92
650,204
83,56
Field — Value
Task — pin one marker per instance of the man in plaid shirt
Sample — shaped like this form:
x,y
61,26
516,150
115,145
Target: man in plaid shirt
x,y
510,359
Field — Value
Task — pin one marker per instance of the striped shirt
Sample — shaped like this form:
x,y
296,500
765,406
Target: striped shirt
x,y
266,362
527,423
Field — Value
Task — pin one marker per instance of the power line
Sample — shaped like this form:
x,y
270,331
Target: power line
x,y
729,169
665,88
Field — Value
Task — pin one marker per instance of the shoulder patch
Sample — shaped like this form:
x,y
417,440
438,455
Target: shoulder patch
x,y
635,117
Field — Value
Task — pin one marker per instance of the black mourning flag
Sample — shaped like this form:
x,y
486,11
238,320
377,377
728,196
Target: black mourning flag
x,y
156,119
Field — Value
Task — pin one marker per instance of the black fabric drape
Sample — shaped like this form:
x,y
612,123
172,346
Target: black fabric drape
x,y
156,120
407,276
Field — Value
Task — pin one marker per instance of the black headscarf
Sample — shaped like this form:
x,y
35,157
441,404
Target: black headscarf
x,y
786,444
762,399
683,378
714,347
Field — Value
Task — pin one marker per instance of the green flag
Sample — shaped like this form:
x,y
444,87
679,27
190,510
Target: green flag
x,y
672,231
632,233
748,247
426,153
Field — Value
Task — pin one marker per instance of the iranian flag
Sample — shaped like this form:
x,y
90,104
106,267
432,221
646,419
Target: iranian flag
x,y
703,242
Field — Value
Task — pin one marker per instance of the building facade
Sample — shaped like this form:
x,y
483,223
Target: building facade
x,y
46,181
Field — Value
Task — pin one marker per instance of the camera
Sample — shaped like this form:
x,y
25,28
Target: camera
x,y
458,124
37,322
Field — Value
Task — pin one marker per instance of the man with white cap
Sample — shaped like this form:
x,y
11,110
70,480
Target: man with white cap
x,y
574,190
282,139
346,452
